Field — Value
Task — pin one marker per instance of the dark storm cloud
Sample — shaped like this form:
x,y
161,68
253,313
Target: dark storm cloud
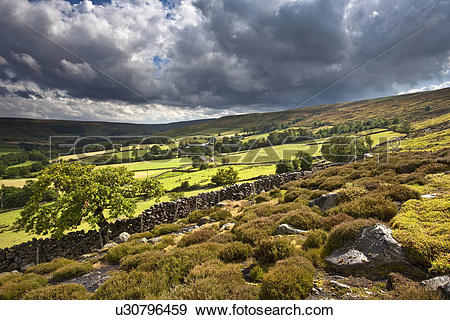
x,y
238,55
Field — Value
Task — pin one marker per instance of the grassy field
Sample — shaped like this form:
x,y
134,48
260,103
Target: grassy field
x,y
429,142
25,164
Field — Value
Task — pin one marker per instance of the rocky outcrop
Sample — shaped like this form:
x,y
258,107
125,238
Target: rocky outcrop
x,y
325,201
285,229
436,282
374,253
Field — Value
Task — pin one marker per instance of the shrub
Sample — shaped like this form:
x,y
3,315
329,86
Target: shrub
x,y
304,218
267,209
290,279
69,291
315,239
225,176
137,236
315,255
124,249
398,192
423,228
235,252
271,250
256,273
136,285
196,237
72,270
262,197
14,286
49,267
275,193
316,194
345,232
256,230
408,166
291,184
292,195
401,288
224,237
350,194
214,280
220,215
327,223
176,263
163,229
369,206
332,183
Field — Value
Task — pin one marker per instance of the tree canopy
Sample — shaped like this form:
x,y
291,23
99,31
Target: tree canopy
x,y
225,176
83,194
343,149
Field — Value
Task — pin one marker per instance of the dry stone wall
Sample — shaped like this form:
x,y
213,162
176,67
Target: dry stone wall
x,y
75,244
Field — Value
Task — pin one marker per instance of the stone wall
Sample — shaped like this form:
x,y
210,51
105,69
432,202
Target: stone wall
x,y
75,244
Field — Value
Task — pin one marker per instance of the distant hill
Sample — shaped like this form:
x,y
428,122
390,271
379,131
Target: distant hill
x,y
414,107
34,131
411,107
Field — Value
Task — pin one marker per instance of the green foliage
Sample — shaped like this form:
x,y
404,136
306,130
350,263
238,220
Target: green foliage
x,y
256,273
224,237
72,270
343,149
124,249
49,267
283,167
369,206
163,229
225,176
306,160
423,228
69,291
303,218
136,285
151,189
271,250
315,239
345,232
14,197
83,195
290,279
235,252
13,286
196,237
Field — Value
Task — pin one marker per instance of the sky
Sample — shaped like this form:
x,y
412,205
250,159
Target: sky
x,y
159,61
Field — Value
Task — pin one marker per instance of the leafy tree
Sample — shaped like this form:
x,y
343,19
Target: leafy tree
x,y
369,142
284,166
151,188
225,160
225,176
343,149
12,172
83,195
37,166
24,171
306,160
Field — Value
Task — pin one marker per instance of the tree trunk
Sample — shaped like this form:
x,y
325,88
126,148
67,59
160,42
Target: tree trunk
x,y
103,224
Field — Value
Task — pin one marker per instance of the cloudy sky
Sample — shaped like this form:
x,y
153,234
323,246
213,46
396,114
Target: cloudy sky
x,y
153,61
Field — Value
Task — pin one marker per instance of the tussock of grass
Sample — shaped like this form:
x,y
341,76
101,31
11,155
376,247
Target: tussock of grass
x,y
423,227
69,291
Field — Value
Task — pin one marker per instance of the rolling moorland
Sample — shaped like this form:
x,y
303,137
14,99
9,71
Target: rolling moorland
x,y
401,187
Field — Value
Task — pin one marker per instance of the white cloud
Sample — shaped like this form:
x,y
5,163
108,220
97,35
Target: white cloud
x,y
27,60
427,88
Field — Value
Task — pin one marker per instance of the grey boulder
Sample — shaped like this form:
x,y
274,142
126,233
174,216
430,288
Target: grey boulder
x,y
123,237
325,201
374,253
